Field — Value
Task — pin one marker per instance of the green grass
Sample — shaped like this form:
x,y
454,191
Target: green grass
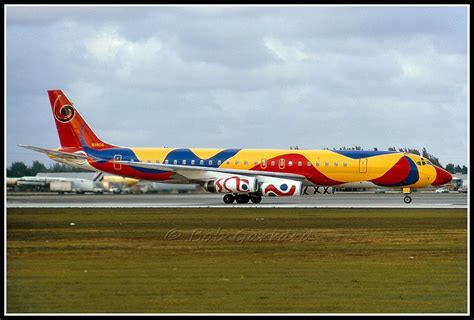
x,y
237,260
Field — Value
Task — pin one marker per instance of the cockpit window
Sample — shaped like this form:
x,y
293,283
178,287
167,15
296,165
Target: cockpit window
x,y
423,163
418,163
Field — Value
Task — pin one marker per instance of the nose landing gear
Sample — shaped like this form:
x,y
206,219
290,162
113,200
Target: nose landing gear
x,y
407,199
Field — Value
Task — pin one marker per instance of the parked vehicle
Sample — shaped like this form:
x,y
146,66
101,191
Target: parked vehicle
x,y
463,189
442,190
60,186
115,190
79,186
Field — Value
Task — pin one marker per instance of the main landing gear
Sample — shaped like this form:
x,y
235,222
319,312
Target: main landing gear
x,y
241,198
229,198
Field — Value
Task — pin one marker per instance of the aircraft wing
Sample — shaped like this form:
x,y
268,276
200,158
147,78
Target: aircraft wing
x,y
207,173
55,153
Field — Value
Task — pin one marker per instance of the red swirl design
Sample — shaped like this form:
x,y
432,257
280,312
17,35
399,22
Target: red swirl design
x,y
238,183
278,192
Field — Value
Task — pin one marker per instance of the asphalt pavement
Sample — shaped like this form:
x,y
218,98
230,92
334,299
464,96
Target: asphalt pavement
x,y
337,200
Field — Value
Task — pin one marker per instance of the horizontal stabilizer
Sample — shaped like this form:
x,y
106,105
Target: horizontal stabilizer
x,y
56,153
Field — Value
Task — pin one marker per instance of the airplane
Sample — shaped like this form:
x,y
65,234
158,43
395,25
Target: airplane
x,y
241,175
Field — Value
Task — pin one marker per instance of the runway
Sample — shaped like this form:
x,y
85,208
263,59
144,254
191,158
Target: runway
x,y
337,200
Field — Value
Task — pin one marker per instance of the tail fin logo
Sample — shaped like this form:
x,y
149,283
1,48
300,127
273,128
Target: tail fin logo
x,y
64,113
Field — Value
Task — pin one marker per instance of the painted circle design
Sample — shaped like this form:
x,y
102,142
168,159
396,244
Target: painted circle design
x,y
284,187
64,114
244,187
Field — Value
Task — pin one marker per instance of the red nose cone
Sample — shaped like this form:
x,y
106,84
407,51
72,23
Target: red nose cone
x,y
442,177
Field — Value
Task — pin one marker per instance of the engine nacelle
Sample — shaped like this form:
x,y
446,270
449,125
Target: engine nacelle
x,y
232,184
276,187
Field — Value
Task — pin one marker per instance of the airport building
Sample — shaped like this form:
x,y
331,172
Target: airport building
x,y
459,181
96,182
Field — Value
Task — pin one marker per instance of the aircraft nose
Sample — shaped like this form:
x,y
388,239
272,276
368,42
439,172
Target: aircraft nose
x,y
442,177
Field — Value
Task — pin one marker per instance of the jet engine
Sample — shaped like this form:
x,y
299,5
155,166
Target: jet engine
x,y
232,184
276,187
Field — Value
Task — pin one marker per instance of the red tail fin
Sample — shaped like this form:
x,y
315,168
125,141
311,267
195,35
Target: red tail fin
x,y
73,131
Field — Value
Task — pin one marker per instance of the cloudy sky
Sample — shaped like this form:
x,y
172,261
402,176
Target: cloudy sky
x,y
256,77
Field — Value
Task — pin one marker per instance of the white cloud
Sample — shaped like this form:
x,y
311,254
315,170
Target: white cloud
x,y
107,45
286,52
110,48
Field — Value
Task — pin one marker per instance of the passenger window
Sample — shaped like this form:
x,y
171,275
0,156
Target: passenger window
x,y
300,163
264,163
184,162
236,162
272,163
219,162
175,161
255,162
192,162
210,162
246,162
227,162
201,162
327,164
336,164
166,161
345,164
317,164
149,161
290,163
308,164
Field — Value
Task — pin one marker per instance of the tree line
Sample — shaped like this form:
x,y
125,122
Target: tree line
x,y
19,169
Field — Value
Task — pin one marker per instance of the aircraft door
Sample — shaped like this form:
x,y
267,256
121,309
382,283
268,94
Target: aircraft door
x,y
363,165
117,166
281,163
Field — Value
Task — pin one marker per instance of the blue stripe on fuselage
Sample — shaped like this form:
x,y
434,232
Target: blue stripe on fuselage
x,y
359,154
186,154
106,155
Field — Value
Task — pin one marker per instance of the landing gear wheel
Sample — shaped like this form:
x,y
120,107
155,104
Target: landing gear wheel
x,y
256,199
229,198
242,198
407,199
